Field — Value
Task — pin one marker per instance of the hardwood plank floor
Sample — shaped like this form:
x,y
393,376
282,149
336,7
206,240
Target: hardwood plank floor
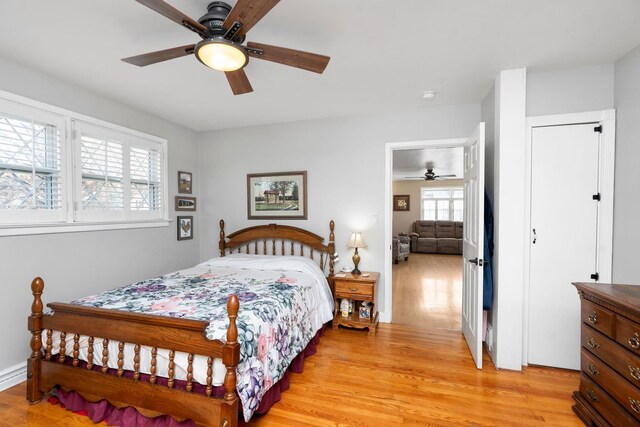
x,y
401,376
427,291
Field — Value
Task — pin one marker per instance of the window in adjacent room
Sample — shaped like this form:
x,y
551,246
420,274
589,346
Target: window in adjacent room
x,y
442,203
58,168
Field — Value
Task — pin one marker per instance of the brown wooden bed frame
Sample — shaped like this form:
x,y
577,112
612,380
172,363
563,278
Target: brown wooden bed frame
x,y
46,370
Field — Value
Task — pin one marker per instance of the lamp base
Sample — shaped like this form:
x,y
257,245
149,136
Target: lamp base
x,y
356,261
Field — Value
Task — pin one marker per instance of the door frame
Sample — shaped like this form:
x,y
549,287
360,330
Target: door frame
x,y
390,147
604,238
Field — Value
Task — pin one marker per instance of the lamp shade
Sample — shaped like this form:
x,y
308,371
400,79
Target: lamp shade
x,y
356,241
221,54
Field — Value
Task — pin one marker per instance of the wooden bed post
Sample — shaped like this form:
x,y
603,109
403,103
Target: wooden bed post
x,y
230,358
221,245
332,248
34,394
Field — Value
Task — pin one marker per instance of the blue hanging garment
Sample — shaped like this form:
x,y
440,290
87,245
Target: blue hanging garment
x,y
487,292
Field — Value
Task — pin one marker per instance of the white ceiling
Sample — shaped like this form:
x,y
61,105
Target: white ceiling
x,y
384,54
414,163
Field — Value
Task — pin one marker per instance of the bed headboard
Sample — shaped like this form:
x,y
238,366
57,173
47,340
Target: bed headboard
x,y
274,239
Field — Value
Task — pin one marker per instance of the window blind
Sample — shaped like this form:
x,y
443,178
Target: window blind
x,y
121,176
31,174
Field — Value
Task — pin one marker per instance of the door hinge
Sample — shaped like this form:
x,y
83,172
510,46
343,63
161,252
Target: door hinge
x,y
598,129
596,197
595,276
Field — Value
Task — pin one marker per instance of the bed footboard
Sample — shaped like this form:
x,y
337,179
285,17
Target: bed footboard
x,y
46,370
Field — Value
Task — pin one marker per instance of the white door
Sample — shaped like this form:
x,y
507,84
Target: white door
x,y
564,215
473,248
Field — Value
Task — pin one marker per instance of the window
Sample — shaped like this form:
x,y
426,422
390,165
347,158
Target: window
x,y
61,168
442,203
31,162
119,175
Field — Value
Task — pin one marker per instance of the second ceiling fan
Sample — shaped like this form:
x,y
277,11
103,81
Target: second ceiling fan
x,y
223,30
431,176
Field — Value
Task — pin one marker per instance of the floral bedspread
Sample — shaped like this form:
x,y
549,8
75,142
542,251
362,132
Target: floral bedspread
x,y
283,303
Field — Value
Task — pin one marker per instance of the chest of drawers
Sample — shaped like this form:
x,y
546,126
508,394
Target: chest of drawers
x,y
609,393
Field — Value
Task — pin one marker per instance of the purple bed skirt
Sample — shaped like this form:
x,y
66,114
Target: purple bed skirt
x,y
130,417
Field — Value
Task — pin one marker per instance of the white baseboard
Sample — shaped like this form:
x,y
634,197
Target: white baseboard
x,y
13,375
383,318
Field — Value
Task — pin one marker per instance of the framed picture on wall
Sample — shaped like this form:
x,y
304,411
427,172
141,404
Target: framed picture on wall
x,y
185,227
277,195
401,202
184,182
185,203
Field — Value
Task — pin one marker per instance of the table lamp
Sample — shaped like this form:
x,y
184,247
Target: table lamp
x,y
356,242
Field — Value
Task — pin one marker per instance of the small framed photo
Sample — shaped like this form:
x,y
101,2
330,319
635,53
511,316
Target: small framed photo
x,y
277,195
401,202
185,203
184,182
185,227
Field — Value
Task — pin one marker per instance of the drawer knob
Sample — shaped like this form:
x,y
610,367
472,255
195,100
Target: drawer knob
x,y
634,341
634,372
593,370
592,395
593,318
591,342
635,405
353,289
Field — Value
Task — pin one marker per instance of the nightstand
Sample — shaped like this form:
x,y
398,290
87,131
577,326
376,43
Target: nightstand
x,y
358,288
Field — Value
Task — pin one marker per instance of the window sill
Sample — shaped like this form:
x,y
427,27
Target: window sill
x,y
27,229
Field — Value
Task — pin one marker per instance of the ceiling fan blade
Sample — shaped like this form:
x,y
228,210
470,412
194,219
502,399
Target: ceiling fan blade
x,y
161,55
248,13
175,15
239,82
446,176
293,58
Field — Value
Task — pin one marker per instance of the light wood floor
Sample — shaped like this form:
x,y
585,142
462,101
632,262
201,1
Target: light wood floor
x,y
401,376
427,291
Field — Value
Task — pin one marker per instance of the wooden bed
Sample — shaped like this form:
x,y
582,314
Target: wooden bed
x,y
46,370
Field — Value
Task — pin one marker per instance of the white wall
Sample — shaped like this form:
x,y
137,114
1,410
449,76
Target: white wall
x,y
345,160
626,232
508,262
403,220
570,91
79,264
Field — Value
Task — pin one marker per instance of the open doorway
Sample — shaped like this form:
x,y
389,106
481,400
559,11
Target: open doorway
x,y
427,236
472,233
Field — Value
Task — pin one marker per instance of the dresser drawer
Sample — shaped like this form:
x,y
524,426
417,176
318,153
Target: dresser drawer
x,y
624,362
598,317
624,393
605,404
355,290
628,334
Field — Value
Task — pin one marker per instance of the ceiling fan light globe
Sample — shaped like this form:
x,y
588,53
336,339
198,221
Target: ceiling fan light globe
x,y
221,54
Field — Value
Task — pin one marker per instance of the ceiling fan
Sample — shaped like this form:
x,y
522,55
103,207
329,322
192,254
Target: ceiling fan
x,y
223,30
431,176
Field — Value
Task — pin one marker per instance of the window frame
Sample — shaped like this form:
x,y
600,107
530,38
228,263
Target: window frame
x,y
450,200
70,165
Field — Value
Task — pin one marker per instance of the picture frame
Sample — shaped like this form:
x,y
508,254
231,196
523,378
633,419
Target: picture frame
x,y
185,182
185,203
401,202
185,227
277,195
